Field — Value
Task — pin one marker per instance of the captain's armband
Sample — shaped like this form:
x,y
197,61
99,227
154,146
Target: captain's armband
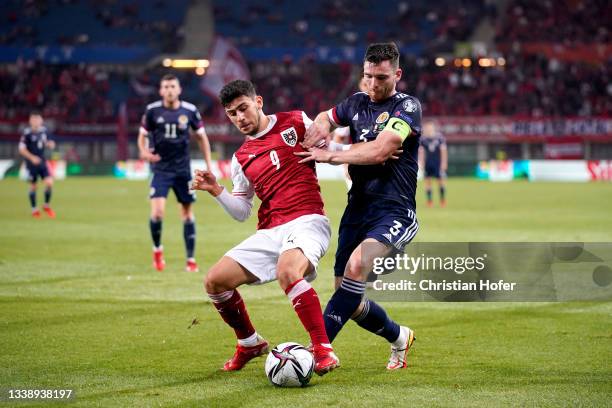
x,y
399,127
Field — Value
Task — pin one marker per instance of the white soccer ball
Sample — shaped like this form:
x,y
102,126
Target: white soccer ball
x,y
289,365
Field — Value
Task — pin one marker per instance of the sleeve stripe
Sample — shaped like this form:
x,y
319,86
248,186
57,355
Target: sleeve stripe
x,y
333,117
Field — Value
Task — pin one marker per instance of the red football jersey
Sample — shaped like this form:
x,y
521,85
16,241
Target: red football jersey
x,y
266,166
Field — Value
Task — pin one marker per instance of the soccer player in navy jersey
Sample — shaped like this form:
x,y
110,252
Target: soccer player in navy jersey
x,y
163,140
380,214
32,144
433,160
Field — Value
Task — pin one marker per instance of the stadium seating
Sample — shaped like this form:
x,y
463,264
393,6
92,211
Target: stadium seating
x,y
529,84
565,22
256,23
93,22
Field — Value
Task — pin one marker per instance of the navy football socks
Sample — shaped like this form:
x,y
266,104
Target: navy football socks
x,y
373,318
156,229
32,196
428,192
442,193
189,233
47,195
342,305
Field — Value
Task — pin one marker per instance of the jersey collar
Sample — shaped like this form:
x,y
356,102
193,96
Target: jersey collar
x,y
267,129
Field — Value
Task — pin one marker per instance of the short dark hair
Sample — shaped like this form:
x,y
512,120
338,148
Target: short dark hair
x,y
235,89
35,112
379,52
169,77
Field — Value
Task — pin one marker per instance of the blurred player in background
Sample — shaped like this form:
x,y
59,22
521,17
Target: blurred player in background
x,y
433,160
380,214
32,144
163,140
292,234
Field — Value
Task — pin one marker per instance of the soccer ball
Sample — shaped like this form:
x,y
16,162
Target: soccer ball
x,y
289,365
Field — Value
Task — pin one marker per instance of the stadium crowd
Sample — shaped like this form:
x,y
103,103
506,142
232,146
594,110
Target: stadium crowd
x,y
528,85
565,22
117,22
347,23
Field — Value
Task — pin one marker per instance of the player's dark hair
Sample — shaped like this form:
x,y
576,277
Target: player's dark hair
x,y
169,77
236,89
35,113
379,52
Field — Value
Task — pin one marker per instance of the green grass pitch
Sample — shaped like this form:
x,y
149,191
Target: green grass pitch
x,y
82,308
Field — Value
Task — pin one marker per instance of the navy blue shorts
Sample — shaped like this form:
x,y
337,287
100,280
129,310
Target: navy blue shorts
x,y
386,222
432,170
161,183
35,172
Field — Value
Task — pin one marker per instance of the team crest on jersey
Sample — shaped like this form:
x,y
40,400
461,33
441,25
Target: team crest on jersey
x,y
290,136
183,120
381,121
160,119
409,106
382,118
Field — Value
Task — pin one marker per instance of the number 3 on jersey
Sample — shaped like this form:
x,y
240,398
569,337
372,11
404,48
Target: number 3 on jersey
x,y
395,229
274,159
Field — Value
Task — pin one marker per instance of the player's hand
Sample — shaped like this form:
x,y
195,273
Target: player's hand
x,y
319,155
35,160
316,134
396,155
205,180
51,144
150,157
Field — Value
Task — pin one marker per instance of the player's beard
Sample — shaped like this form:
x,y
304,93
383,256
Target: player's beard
x,y
378,95
256,128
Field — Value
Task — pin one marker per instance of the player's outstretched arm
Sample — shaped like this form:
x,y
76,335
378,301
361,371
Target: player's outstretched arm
x,y
23,151
386,146
319,130
205,180
443,159
143,148
204,145
421,157
239,208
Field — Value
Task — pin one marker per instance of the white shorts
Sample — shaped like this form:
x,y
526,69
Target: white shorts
x,y
259,253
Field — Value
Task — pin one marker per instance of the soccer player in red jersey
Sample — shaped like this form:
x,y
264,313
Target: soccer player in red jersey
x,y
292,234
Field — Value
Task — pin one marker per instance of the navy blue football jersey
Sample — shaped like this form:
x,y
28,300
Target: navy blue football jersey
x,y
35,142
168,133
432,146
393,180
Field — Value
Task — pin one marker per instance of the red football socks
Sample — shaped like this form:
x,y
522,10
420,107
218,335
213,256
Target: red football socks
x,y
233,312
308,308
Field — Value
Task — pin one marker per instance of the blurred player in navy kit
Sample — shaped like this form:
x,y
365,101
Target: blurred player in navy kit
x,y
380,214
163,140
433,160
32,146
